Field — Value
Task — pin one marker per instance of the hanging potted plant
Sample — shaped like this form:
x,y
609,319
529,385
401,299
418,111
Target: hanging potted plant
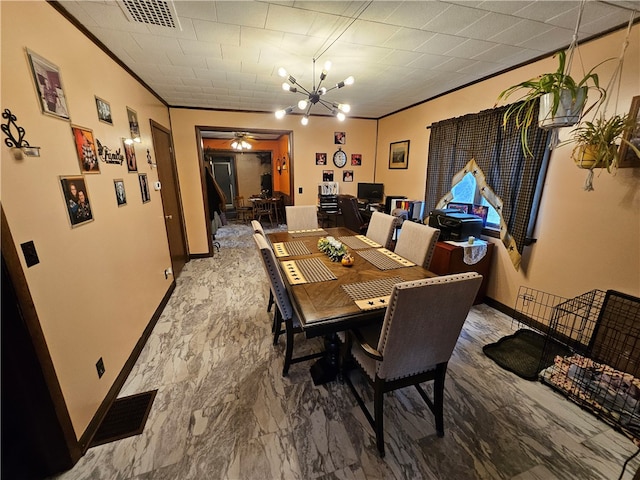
x,y
561,100
597,143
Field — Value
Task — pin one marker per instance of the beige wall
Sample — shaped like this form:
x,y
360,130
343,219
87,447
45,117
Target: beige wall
x,y
97,285
318,136
586,240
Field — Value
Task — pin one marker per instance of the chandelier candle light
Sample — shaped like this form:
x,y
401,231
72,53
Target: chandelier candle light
x,y
314,96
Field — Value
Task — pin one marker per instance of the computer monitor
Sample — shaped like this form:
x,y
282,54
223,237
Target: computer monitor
x,y
371,192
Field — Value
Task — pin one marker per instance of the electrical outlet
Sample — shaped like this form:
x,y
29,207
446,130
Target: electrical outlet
x,y
299,189
168,272
100,367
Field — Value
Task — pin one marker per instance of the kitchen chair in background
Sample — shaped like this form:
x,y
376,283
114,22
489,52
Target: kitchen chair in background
x,y
243,212
416,242
420,329
381,227
284,311
301,217
262,208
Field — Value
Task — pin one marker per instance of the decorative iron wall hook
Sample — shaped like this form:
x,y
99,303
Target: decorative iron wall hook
x,y
19,145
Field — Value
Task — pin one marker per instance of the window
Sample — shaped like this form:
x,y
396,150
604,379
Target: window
x,y
467,191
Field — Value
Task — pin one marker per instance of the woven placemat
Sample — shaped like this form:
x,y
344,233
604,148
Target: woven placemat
x,y
307,270
308,233
372,294
356,243
385,259
288,249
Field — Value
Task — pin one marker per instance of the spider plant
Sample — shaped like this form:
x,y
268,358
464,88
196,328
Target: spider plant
x,y
555,83
597,143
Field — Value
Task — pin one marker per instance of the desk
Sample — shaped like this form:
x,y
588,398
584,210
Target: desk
x,y
324,308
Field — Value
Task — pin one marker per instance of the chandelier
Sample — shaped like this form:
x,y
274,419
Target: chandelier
x,y
314,96
239,142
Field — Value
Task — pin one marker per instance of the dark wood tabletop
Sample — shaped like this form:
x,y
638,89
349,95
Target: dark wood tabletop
x,y
324,307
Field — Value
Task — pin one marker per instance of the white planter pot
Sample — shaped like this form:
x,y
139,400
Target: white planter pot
x,y
568,113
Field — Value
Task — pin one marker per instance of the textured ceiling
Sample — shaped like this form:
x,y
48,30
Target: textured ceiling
x,y
225,55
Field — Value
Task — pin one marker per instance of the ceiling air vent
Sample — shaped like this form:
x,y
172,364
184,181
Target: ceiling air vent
x,y
153,12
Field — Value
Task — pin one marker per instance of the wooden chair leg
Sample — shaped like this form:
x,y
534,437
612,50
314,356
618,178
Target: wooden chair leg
x,y
438,398
270,300
277,326
378,398
288,353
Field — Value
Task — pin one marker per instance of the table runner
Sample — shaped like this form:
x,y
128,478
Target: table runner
x,y
308,233
287,249
307,270
358,242
372,294
385,259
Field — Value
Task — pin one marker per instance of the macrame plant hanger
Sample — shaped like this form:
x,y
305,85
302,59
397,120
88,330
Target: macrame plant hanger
x,y
614,82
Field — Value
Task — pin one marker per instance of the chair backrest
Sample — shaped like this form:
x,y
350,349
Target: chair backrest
x,y
348,205
257,227
239,201
380,228
416,242
422,323
270,264
301,217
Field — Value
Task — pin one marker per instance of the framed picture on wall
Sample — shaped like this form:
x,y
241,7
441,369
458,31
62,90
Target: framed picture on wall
x,y
347,176
321,158
628,157
134,126
76,199
121,194
49,86
130,156
340,138
104,111
356,159
86,149
399,154
327,175
144,187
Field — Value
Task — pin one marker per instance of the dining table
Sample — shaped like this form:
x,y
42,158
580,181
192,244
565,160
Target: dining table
x,y
330,297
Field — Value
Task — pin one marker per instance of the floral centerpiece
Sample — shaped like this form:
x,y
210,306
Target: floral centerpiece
x,y
333,248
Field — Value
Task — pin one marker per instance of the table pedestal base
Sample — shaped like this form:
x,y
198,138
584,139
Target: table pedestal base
x,y
326,369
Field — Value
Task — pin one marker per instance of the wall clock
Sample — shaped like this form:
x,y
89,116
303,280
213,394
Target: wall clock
x,y
339,158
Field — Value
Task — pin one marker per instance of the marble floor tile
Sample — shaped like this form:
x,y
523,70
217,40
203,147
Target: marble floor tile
x,y
224,411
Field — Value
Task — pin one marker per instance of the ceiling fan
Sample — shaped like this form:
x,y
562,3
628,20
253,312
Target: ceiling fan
x,y
240,141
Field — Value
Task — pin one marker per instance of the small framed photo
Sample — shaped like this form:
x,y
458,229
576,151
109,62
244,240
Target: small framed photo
x,y
356,159
121,194
76,200
144,187
399,155
104,111
327,175
628,157
347,176
86,149
321,158
134,127
49,86
340,138
130,156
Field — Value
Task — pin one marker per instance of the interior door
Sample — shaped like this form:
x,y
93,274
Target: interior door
x,y
223,173
170,194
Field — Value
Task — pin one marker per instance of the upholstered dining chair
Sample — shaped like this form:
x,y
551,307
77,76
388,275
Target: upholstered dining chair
x,y
301,217
284,311
257,228
381,228
416,242
420,329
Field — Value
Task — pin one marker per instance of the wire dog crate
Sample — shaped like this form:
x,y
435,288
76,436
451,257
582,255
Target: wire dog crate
x,y
601,330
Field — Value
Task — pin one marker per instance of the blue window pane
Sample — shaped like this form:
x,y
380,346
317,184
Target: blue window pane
x,y
465,191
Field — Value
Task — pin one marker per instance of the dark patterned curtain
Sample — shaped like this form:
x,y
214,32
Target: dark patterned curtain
x,y
478,143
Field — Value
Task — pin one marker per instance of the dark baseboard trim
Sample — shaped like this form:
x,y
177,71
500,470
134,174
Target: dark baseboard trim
x,y
199,255
92,428
501,307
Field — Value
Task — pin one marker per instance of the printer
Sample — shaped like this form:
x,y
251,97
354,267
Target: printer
x,y
454,225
